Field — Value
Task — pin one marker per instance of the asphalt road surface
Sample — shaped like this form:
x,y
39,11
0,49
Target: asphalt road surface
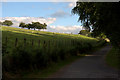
x,y
90,66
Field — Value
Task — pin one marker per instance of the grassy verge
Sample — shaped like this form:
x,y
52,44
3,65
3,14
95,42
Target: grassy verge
x,y
112,58
45,72
54,67
51,69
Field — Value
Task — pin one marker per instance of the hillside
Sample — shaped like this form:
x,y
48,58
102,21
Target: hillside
x,y
29,49
40,34
10,34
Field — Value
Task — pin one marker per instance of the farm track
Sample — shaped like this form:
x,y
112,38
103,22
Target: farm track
x,y
91,66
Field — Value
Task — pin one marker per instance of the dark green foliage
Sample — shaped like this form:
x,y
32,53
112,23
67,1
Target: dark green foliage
x,y
102,17
41,58
44,26
54,57
100,43
33,25
29,58
113,58
84,32
101,36
4,49
7,23
20,58
62,54
22,25
36,25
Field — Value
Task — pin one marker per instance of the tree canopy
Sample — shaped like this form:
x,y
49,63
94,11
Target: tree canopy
x,y
33,25
101,17
22,25
84,32
7,23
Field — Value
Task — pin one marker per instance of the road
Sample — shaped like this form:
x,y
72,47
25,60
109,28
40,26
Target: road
x,y
91,66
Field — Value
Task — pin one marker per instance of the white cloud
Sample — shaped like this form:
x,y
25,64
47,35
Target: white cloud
x,y
17,20
65,29
72,4
59,14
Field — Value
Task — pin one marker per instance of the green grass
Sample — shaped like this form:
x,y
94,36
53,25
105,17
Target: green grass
x,y
54,67
112,58
42,35
13,33
48,71
40,58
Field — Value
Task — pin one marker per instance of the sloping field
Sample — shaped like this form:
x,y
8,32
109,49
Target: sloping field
x,y
29,49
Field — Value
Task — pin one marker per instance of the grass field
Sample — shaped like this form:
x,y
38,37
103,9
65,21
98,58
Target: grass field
x,y
112,58
30,50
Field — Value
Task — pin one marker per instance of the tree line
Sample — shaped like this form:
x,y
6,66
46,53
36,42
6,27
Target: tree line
x,y
7,23
100,18
33,25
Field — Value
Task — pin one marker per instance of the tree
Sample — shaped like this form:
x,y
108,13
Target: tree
x,y
7,23
45,26
84,32
28,26
101,17
35,25
38,25
101,36
22,25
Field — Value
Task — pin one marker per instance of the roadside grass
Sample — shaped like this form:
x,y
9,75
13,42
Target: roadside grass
x,y
45,72
41,58
51,69
112,58
54,67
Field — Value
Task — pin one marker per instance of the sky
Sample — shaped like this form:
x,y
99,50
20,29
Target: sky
x,y
57,15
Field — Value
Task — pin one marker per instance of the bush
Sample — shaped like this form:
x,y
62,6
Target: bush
x,y
41,58
18,59
54,56
4,49
100,43
62,54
